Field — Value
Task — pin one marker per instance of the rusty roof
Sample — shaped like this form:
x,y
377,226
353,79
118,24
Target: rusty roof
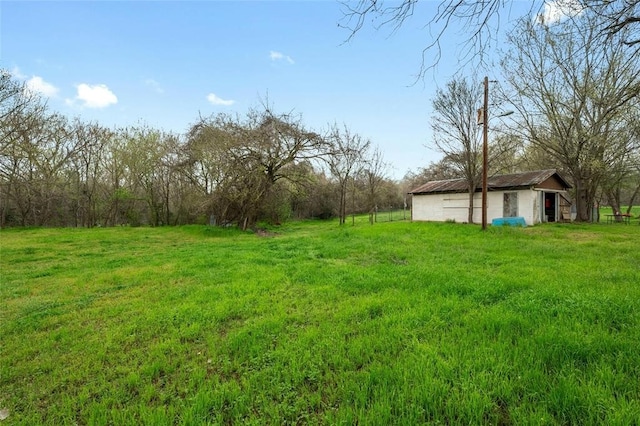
x,y
510,181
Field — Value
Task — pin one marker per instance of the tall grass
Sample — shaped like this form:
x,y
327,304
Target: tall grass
x,y
312,323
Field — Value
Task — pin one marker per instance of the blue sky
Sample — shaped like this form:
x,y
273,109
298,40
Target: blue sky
x,y
164,63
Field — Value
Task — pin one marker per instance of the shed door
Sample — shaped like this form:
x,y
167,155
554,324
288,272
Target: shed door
x,y
550,207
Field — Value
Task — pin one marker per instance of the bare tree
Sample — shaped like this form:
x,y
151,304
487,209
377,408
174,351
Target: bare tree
x,y
54,150
147,156
481,19
33,169
345,161
575,96
20,109
506,153
374,175
115,188
456,133
86,171
239,161
614,17
21,113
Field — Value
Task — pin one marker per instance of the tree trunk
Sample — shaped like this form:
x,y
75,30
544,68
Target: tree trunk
x,y
632,199
583,201
613,196
343,204
167,220
472,189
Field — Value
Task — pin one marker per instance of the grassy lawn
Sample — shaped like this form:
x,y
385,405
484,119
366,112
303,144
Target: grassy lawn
x,y
396,323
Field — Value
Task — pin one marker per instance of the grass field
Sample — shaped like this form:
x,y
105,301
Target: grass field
x,y
310,323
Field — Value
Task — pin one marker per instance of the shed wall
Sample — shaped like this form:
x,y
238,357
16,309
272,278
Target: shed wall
x,y
443,207
551,183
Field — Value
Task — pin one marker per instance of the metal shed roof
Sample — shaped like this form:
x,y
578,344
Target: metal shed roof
x,y
510,181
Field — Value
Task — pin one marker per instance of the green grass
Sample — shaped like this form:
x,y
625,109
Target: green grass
x,y
396,323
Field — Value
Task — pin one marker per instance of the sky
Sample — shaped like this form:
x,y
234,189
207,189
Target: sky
x,y
166,63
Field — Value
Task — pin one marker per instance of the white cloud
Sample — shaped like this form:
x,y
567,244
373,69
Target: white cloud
x,y
154,85
279,56
96,96
15,72
38,85
559,10
35,84
215,100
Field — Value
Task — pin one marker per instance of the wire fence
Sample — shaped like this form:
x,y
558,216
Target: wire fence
x,y
381,216
391,215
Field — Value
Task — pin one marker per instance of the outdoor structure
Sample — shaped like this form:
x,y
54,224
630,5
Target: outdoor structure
x,y
538,196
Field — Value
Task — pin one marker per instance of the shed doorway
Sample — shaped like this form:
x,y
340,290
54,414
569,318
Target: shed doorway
x,y
550,207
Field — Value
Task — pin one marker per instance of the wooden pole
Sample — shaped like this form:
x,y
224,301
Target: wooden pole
x,y
485,151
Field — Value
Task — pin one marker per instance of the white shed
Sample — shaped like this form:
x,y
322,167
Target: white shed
x,y
538,196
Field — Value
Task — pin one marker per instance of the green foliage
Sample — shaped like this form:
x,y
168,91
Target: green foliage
x,y
312,323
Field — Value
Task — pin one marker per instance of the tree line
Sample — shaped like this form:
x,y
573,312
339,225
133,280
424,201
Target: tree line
x,y
226,170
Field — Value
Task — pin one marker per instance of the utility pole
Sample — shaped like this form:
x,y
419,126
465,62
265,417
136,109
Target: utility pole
x,y
485,151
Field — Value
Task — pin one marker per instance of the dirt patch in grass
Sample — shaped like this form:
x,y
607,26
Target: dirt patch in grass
x,y
261,232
